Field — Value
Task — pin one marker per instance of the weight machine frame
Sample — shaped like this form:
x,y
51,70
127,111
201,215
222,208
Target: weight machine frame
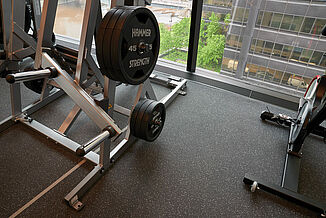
x,y
100,110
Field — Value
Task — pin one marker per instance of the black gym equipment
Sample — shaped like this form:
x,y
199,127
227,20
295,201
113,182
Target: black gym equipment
x,y
128,43
310,116
147,119
311,113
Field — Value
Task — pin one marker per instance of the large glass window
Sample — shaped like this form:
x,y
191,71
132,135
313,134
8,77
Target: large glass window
x,y
296,23
278,76
276,21
69,18
259,46
323,61
285,78
253,45
223,3
229,64
318,26
296,54
213,40
241,15
232,41
286,23
260,17
174,23
305,55
267,18
277,50
316,56
307,24
268,48
287,49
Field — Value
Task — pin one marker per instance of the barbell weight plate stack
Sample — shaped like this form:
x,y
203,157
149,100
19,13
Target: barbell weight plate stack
x,y
147,119
134,114
107,44
139,117
153,121
130,45
100,40
136,42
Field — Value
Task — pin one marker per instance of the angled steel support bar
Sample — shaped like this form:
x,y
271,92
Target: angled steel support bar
x,y
80,96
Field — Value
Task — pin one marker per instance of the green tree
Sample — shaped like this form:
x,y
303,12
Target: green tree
x,y
174,42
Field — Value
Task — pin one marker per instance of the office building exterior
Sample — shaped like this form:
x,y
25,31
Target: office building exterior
x,y
276,43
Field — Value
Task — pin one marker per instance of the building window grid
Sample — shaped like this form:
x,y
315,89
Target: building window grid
x,y
255,49
302,22
274,44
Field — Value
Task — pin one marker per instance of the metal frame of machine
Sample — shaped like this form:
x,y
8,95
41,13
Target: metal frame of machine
x,y
100,110
311,113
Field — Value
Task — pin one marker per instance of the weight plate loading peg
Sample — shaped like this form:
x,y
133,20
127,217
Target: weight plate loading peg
x,y
128,48
147,119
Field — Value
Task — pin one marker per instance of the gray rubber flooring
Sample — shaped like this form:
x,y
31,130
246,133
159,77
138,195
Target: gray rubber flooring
x,y
211,138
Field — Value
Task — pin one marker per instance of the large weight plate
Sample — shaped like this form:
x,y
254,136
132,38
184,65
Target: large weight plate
x,y
147,119
100,39
135,45
139,117
153,121
134,115
107,45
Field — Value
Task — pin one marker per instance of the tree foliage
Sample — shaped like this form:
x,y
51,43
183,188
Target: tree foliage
x,y
174,42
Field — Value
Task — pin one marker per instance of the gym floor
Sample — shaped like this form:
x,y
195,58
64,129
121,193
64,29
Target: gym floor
x,y
211,138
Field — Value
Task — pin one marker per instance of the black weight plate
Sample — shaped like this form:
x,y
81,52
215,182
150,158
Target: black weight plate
x,y
139,118
114,61
134,115
135,27
150,131
107,44
100,37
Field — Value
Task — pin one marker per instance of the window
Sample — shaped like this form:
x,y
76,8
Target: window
x,y
253,69
229,64
260,17
319,24
270,74
296,23
307,24
305,55
316,56
285,78
267,18
323,61
259,46
286,23
223,3
277,50
268,48
286,51
239,14
276,21
278,76
296,54
253,45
